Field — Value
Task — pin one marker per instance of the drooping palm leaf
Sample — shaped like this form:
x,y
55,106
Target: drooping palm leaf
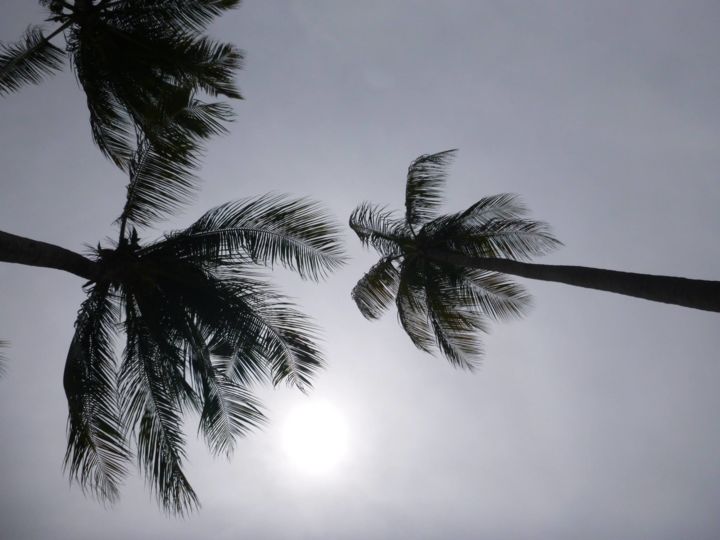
x,y
270,229
159,185
455,319
28,61
227,409
378,227
490,293
411,303
161,169
179,15
155,393
209,66
376,290
269,336
425,182
96,455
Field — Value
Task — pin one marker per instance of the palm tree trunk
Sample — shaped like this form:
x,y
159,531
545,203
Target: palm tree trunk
x,y
692,293
20,250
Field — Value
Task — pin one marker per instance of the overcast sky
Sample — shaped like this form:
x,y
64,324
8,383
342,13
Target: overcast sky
x,y
595,417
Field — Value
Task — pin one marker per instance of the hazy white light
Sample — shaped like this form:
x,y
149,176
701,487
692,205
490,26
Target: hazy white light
x,y
315,437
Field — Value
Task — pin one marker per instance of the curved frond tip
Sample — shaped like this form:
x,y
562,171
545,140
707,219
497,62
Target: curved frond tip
x,y
28,61
425,182
271,229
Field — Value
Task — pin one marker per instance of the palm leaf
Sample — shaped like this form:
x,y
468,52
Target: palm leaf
x,y
425,181
454,319
411,305
376,290
518,239
233,363
380,228
28,61
154,391
96,453
490,293
159,185
210,66
268,229
228,409
179,15
110,123
278,336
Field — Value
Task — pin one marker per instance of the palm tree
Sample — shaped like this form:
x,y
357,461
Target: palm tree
x,y
140,63
201,325
448,274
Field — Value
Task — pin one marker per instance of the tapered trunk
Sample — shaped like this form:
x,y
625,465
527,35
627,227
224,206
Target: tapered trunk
x,y
20,250
692,293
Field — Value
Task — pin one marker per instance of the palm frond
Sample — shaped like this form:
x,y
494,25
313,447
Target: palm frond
x,y
159,184
277,335
195,120
287,341
111,125
210,66
228,409
454,319
270,229
495,207
179,15
143,79
490,293
518,239
377,289
96,455
378,227
154,391
28,61
425,182
233,363
411,302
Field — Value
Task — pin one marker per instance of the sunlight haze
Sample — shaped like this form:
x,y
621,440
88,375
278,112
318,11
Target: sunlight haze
x,y
594,417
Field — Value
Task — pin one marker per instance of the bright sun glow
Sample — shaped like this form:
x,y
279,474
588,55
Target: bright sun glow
x,y
315,437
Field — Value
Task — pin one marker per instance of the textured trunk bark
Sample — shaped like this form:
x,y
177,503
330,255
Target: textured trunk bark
x,y
692,293
20,250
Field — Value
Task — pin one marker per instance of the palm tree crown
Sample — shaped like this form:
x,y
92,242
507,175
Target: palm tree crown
x,y
201,325
441,305
448,273
140,63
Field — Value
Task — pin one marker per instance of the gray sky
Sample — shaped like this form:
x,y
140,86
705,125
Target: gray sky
x,y
595,417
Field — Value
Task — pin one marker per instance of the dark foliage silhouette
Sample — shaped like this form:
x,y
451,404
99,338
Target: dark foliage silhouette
x,y
141,64
448,274
200,322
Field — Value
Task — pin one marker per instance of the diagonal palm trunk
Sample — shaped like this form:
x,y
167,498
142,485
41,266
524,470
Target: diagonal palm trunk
x,y
692,293
21,250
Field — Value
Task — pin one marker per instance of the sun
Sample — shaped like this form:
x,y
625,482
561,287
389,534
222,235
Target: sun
x,y
315,437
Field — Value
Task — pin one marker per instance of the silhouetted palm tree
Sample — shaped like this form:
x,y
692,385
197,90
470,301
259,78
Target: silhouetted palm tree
x,y
448,274
200,323
140,63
